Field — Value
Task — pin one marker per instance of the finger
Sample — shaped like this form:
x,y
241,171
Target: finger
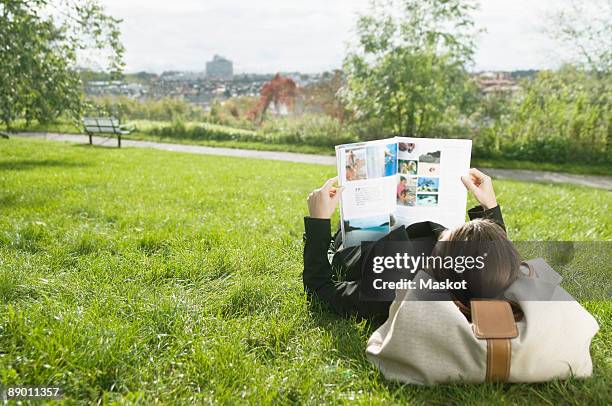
x,y
469,184
330,182
338,194
477,174
335,190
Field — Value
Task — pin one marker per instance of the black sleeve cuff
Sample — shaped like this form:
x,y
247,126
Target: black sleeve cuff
x,y
317,228
494,214
478,212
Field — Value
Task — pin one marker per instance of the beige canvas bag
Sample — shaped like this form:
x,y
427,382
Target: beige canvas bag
x,y
432,342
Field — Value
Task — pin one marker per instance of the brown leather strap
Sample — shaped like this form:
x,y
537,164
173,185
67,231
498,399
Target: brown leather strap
x,y
467,311
493,320
499,353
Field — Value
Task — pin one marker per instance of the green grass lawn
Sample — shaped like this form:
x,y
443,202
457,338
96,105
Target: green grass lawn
x,y
140,275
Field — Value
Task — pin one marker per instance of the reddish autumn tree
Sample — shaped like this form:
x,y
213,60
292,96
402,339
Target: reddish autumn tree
x,y
279,90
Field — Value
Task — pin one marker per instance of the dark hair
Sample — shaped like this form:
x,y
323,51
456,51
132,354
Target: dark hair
x,y
402,178
478,238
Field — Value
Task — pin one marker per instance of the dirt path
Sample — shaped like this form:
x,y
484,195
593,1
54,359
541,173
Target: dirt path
x,y
601,182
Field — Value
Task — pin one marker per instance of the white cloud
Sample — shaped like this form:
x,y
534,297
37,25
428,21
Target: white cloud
x,y
308,36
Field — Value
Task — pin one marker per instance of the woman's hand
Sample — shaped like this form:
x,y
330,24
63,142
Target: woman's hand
x,y
322,202
481,187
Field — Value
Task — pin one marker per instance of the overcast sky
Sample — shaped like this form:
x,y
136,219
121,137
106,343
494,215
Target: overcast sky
x,y
267,36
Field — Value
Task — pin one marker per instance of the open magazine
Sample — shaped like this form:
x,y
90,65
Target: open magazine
x,y
401,181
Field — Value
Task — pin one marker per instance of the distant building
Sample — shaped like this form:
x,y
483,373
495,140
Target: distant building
x,y
219,68
497,82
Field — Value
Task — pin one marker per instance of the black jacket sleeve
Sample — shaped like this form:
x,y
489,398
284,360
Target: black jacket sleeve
x,y
494,214
341,296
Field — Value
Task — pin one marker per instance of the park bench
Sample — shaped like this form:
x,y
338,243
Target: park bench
x,y
104,126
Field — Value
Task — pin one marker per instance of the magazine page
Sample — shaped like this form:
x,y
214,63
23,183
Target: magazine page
x,y
429,186
368,171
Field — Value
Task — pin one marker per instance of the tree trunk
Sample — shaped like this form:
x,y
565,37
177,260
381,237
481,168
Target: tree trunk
x,y
7,124
399,118
421,125
410,124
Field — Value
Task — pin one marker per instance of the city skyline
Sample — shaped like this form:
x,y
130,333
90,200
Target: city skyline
x,y
311,37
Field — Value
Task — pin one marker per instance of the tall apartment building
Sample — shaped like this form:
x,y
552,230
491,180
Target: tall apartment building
x,y
219,68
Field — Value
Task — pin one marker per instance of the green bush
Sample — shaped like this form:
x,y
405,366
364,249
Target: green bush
x,y
200,131
561,116
233,112
310,129
165,109
307,130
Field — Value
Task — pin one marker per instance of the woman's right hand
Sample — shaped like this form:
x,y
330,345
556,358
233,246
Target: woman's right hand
x,y
481,187
322,202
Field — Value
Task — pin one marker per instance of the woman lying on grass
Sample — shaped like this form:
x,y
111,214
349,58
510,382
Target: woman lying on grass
x,y
486,224
533,331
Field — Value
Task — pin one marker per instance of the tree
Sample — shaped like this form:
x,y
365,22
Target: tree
x,y
585,29
324,95
408,69
280,90
561,116
41,43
